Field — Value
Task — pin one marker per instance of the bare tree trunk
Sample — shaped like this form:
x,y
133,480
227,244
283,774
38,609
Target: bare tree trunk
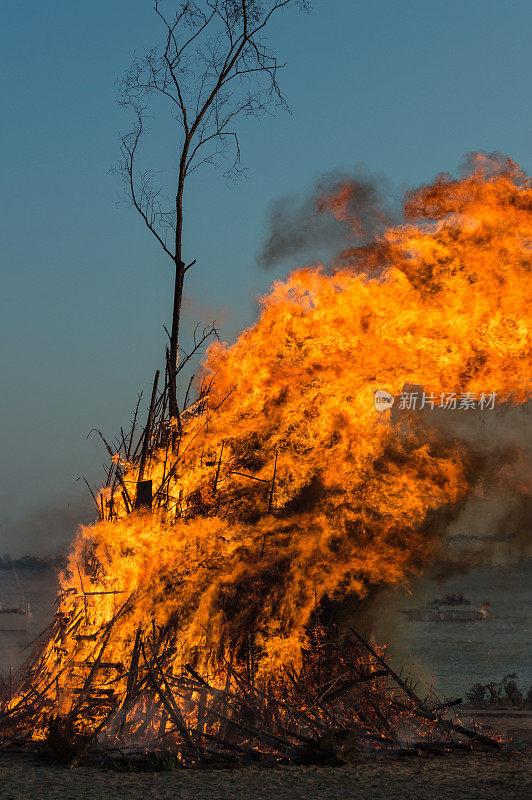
x,y
174,338
178,289
204,84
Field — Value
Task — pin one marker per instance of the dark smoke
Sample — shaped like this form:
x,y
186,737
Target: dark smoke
x,y
494,523
305,229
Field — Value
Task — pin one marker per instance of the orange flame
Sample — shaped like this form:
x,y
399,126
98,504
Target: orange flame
x,y
289,486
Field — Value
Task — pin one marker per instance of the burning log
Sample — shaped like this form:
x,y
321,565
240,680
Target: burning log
x,y
144,496
448,704
329,696
420,708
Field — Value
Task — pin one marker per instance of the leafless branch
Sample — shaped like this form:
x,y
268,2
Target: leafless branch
x,y
210,50
213,66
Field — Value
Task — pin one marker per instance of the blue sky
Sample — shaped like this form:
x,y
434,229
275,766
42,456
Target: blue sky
x,y
399,89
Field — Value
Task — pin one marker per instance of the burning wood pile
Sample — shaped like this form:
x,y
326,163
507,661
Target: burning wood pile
x,y
345,701
189,615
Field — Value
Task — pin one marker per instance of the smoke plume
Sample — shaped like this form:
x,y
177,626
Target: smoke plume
x,y
341,211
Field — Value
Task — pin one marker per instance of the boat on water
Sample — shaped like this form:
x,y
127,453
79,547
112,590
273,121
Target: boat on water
x,y
15,618
449,608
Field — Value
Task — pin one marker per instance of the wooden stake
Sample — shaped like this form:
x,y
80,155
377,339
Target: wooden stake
x,y
270,502
218,467
147,431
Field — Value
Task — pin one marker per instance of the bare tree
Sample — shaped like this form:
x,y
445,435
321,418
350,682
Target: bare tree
x,y
213,66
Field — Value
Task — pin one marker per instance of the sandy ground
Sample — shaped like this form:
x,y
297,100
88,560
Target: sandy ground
x,y
458,777
499,775
513,724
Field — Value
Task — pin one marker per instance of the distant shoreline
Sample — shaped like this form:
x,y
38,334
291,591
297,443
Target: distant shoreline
x,y
58,562
34,563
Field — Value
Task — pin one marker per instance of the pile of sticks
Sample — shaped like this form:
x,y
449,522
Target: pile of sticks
x,y
343,702
162,432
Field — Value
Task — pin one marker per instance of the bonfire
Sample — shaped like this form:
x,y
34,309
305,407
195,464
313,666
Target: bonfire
x,y
190,616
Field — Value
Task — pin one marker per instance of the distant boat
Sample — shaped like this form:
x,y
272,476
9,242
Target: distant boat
x,y
450,608
15,616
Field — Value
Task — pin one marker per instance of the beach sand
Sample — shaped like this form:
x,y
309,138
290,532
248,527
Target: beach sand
x,y
494,775
466,776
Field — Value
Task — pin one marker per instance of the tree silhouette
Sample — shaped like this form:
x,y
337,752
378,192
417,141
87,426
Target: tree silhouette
x,y
213,66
